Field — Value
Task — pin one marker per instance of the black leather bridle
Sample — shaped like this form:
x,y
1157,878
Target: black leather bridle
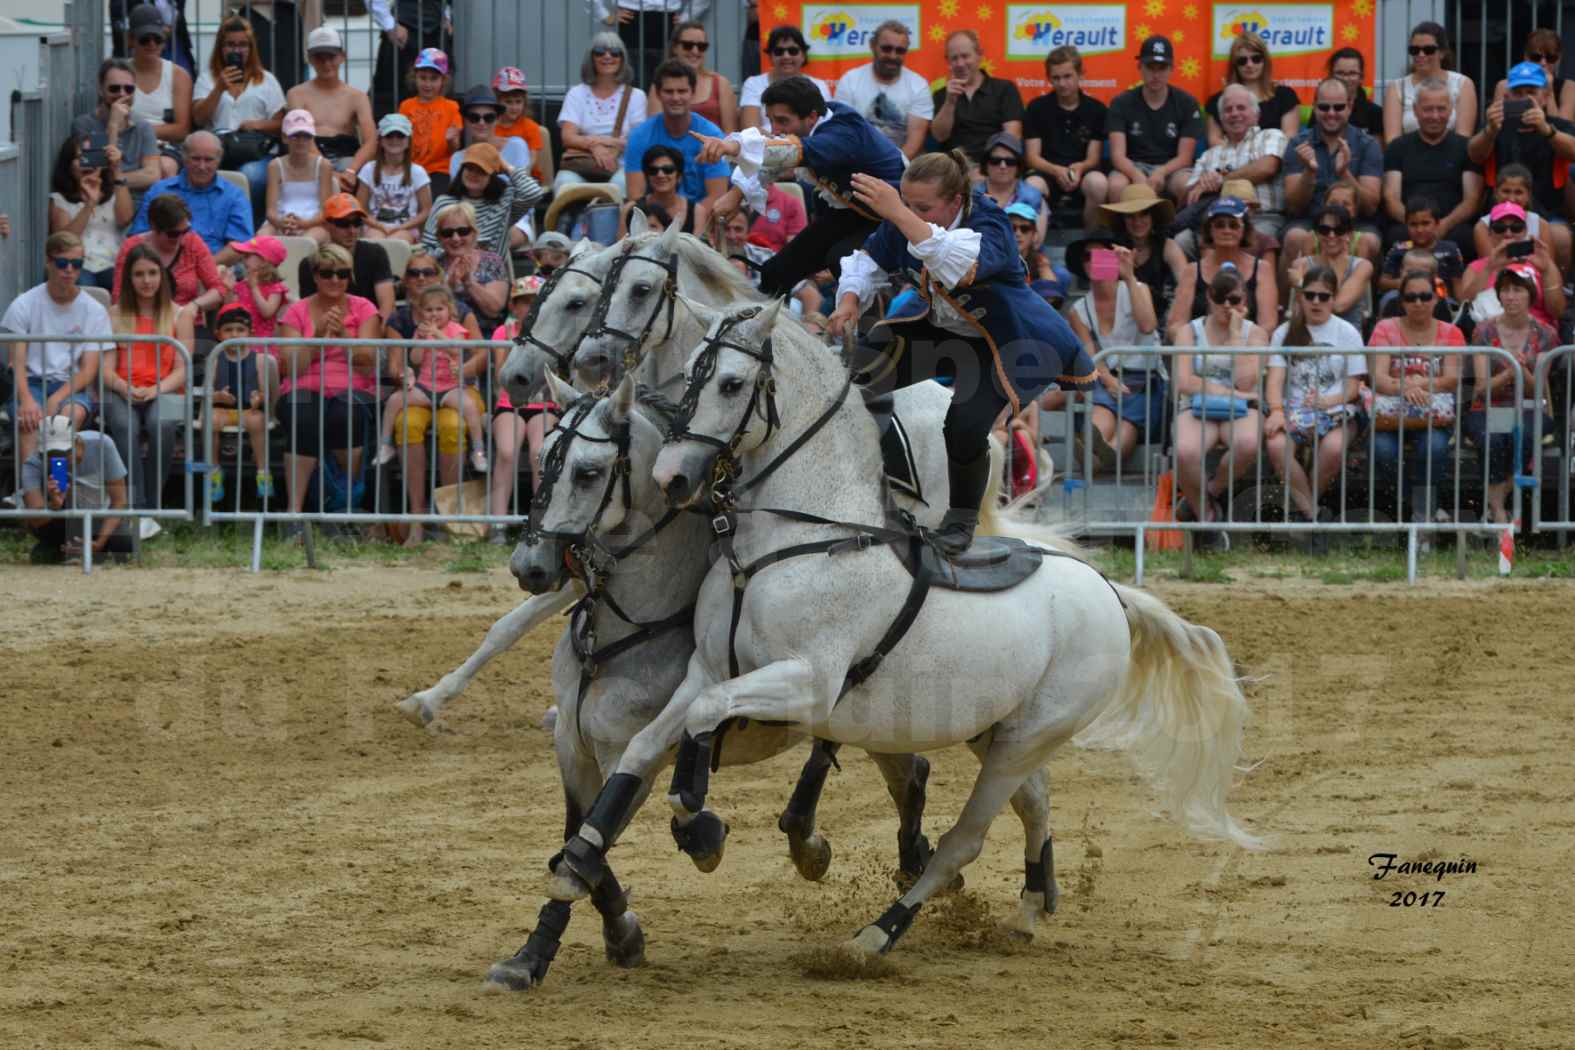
x,y
562,359
668,301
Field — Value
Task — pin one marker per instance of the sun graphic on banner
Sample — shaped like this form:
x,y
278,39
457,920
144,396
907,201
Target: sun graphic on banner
x,y
984,12
1190,68
937,33
1363,7
988,65
948,8
1178,36
780,10
1142,32
1349,33
1154,8
1190,12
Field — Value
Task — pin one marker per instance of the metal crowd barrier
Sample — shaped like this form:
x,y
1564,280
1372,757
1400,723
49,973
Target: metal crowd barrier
x,y
380,507
1565,356
1123,512
100,393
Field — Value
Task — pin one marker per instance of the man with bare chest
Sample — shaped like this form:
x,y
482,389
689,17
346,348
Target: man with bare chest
x,y
346,134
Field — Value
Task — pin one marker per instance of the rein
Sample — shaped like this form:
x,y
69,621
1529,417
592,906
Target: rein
x,y
561,358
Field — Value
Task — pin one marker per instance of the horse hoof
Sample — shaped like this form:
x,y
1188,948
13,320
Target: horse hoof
x,y
628,950
564,885
704,838
811,856
415,710
871,942
512,975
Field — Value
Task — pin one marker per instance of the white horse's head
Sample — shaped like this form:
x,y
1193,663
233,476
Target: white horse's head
x,y
639,292
590,487
728,405
560,317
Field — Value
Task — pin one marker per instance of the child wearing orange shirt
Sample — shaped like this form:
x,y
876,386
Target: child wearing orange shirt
x,y
510,87
434,117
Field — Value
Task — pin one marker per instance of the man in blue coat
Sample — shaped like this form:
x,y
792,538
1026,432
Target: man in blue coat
x,y
828,143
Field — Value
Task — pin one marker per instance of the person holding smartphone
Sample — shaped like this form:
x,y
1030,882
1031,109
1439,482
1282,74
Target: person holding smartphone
x,y
1118,312
1513,246
1519,130
80,471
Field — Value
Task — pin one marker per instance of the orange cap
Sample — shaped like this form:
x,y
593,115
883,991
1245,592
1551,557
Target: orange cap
x,y
342,206
483,155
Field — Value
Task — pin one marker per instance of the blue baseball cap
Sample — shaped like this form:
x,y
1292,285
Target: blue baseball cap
x,y
1020,210
1527,74
1234,207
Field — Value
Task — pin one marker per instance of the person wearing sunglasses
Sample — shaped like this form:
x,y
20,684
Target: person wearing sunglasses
x,y
887,94
477,276
1518,130
130,147
1003,181
663,203
181,250
345,221
1431,59
327,398
1434,162
54,378
644,28
1330,152
1544,48
164,90
680,130
1349,66
973,105
1229,383
788,51
1333,228
481,116
1224,239
498,193
1513,245
421,272
1250,65
715,98
832,142
1311,400
597,114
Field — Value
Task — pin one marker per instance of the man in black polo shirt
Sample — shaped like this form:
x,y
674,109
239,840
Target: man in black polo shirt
x,y
374,277
1153,128
973,105
1435,162
1064,132
1543,142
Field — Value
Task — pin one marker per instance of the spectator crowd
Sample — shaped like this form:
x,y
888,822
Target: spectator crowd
x,y
211,201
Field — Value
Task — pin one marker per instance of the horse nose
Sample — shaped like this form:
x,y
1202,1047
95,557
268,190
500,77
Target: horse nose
x,y
677,489
533,579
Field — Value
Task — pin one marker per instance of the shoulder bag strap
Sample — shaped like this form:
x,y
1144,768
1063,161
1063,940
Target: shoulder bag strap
x,y
623,108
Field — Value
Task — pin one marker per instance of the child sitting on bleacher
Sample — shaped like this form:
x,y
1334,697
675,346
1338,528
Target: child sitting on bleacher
x,y
243,386
436,376
263,294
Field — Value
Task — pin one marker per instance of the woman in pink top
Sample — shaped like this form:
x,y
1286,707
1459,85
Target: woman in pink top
x,y
326,399
1507,231
436,376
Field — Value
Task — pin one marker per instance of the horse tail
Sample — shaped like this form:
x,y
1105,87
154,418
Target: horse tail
x,y
1013,520
1180,716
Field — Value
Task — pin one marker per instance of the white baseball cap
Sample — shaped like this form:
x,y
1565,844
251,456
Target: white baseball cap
x,y
324,38
58,436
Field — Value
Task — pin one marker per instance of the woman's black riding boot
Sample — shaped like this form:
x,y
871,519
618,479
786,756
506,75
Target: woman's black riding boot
x,y
969,482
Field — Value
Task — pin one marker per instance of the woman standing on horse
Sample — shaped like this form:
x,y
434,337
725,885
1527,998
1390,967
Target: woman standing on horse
x,y
975,320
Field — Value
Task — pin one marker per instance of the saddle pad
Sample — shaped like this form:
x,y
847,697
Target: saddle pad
x,y
896,453
993,563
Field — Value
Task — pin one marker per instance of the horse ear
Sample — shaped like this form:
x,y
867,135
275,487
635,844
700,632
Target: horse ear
x,y
581,247
706,315
768,317
623,399
669,242
562,393
638,223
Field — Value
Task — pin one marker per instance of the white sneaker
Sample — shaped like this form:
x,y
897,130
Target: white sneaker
x,y
147,528
478,460
385,454
13,500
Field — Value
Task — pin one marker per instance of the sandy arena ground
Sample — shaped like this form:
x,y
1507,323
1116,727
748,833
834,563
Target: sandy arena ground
x,y
216,833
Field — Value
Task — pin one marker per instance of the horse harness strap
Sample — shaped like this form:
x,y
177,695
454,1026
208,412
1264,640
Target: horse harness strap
x,y
599,325
582,636
527,335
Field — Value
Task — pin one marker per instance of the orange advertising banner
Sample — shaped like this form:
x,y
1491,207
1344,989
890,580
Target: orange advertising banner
x,y
1018,36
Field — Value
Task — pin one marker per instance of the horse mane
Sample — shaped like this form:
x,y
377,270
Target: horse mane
x,y
664,406
714,272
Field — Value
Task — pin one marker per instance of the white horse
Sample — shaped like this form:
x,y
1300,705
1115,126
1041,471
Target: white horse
x,y
626,650
547,343
1016,673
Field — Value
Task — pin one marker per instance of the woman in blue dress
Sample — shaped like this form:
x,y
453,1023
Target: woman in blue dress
x,y
974,320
